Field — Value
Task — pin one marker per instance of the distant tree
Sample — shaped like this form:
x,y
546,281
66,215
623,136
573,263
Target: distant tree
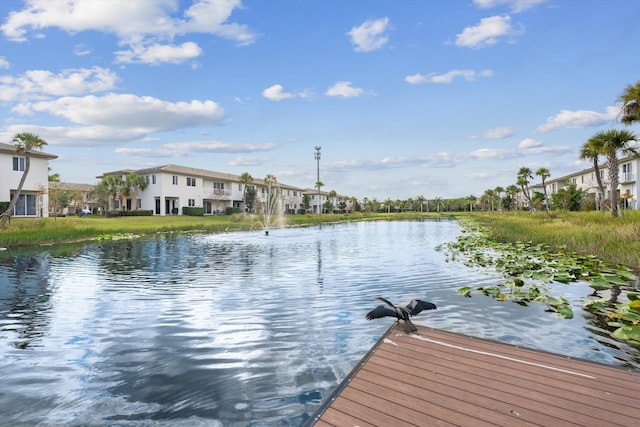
x,y
112,184
614,141
250,197
629,102
592,150
498,192
60,198
509,201
100,196
246,180
53,177
568,198
132,184
306,202
544,173
420,201
471,200
524,177
489,196
24,144
439,203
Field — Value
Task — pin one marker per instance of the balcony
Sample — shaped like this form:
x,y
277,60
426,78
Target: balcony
x,y
218,194
627,177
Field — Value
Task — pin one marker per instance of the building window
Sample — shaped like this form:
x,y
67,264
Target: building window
x,y
175,179
153,179
18,164
239,187
191,182
25,206
192,202
117,204
218,185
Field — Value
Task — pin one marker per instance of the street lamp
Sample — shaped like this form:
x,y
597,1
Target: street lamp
x,y
317,157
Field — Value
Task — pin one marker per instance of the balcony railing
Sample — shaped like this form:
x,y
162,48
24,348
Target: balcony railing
x,y
627,177
219,194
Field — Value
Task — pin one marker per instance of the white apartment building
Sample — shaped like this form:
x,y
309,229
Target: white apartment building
x,y
172,187
586,180
33,201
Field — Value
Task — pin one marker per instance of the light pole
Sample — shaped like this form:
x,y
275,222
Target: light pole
x,y
317,157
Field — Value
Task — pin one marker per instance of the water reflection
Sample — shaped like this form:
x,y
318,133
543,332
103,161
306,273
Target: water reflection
x,y
241,328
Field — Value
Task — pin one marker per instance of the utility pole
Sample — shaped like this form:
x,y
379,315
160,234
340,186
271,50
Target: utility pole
x,y
317,157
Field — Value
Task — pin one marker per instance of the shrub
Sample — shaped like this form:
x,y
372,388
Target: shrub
x,y
130,213
230,211
192,211
4,206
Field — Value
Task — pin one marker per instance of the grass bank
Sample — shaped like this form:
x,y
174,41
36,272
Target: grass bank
x,y
47,231
616,240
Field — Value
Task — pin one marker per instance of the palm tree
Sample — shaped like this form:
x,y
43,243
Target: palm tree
x,y
524,175
132,183
544,173
113,184
614,141
591,150
511,192
471,199
245,179
438,202
629,102
498,191
24,144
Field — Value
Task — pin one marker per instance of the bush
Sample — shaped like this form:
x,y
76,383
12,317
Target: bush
x,y
230,211
192,211
130,213
4,206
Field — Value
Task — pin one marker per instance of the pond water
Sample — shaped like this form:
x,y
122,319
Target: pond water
x,y
238,329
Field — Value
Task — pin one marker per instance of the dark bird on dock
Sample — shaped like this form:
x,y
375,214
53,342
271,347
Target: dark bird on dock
x,y
401,312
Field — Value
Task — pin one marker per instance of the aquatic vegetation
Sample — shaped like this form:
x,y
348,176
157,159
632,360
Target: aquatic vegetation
x,y
527,269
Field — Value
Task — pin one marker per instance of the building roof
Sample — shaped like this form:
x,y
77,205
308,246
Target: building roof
x,y
71,186
195,172
10,149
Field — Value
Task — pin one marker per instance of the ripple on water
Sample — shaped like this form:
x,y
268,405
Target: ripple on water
x,y
239,328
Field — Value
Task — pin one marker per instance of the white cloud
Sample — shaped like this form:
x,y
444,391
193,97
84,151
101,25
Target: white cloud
x,y
344,89
487,32
75,135
159,53
514,5
181,149
448,77
578,119
142,114
4,63
276,93
81,50
40,84
369,35
529,143
146,23
496,133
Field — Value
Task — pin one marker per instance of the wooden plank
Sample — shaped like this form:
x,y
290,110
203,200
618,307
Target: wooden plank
x,y
440,378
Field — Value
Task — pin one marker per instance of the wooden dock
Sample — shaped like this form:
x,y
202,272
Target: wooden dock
x,y
441,378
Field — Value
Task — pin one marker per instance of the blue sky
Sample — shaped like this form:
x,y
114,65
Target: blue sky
x,y
439,98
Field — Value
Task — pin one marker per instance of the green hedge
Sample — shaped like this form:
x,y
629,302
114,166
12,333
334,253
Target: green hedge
x,y
4,206
192,211
130,213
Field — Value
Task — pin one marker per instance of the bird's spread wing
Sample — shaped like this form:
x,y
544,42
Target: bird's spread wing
x,y
417,305
381,311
